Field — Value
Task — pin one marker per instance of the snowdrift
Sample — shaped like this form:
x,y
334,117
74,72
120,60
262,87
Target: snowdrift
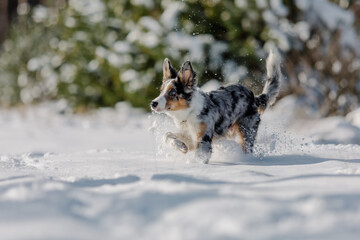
x,y
105,175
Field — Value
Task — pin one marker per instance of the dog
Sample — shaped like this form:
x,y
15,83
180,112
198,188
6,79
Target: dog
x,y
230,111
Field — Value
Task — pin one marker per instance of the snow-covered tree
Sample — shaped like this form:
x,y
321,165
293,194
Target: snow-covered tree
x,y
96,53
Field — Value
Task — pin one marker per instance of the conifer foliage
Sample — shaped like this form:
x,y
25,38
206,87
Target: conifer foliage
x,y
96,53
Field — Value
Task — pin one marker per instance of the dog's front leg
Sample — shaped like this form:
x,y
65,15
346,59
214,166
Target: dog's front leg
x,y
204,140
173,140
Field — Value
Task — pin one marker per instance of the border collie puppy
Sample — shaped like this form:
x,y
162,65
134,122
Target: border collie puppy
x,y
231,111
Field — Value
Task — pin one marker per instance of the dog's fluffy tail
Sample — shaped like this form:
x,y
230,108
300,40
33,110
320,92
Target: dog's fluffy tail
x,y
273,80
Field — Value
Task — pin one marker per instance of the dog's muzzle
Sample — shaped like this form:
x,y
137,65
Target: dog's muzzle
x,y
153,105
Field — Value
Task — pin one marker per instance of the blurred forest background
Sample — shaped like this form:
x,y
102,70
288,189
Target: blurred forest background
x,y
93,53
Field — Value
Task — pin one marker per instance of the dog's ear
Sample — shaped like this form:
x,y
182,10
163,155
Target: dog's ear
x,y
187,75
168,70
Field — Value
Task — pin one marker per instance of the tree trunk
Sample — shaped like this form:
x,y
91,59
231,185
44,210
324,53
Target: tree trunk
x,y
4,22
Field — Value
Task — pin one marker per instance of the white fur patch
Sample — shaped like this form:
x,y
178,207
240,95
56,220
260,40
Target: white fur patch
x,y
194,109
186,120
197,102
161,98
272,61
161,103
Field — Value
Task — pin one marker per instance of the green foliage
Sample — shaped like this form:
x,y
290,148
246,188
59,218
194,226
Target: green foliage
x,y
107,51
96,53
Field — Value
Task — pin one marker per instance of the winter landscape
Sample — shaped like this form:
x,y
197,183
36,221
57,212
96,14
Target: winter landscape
x,y
82,156
108,176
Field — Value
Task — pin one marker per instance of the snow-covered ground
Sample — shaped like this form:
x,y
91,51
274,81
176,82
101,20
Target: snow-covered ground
x,y
107,176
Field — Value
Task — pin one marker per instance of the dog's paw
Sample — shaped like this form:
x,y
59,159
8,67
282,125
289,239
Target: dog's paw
x,y
202,156
170,138
179,145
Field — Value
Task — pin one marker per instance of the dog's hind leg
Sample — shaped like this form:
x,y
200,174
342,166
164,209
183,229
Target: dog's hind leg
x,y
248,128
235,132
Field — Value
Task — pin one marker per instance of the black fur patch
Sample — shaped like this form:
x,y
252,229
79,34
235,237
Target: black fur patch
x,y
181,91
173,72
206,138
213,99
235,100
218,128
261,100
205,111
251,109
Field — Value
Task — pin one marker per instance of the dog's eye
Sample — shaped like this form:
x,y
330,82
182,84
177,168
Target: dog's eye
x,y
172,93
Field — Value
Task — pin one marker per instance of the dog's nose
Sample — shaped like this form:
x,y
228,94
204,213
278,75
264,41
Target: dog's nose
x,y
154,104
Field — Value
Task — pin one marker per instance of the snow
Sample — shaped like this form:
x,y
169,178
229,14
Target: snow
x,y
233,72
122,47
88,7
332,17
151,25
303,30
104,175
193,44
241,3
169,18
210,85
279,8
40,14
216,51
147,3
354,117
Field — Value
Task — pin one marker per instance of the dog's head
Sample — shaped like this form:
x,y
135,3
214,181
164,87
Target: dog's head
x,y
177,88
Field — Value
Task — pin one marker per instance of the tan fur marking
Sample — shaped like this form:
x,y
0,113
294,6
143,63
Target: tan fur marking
x,y
167,75
166,70
180,76
200,134
235,130
261,109
242,141
169,88
163,86
176,105
187,75
185,139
